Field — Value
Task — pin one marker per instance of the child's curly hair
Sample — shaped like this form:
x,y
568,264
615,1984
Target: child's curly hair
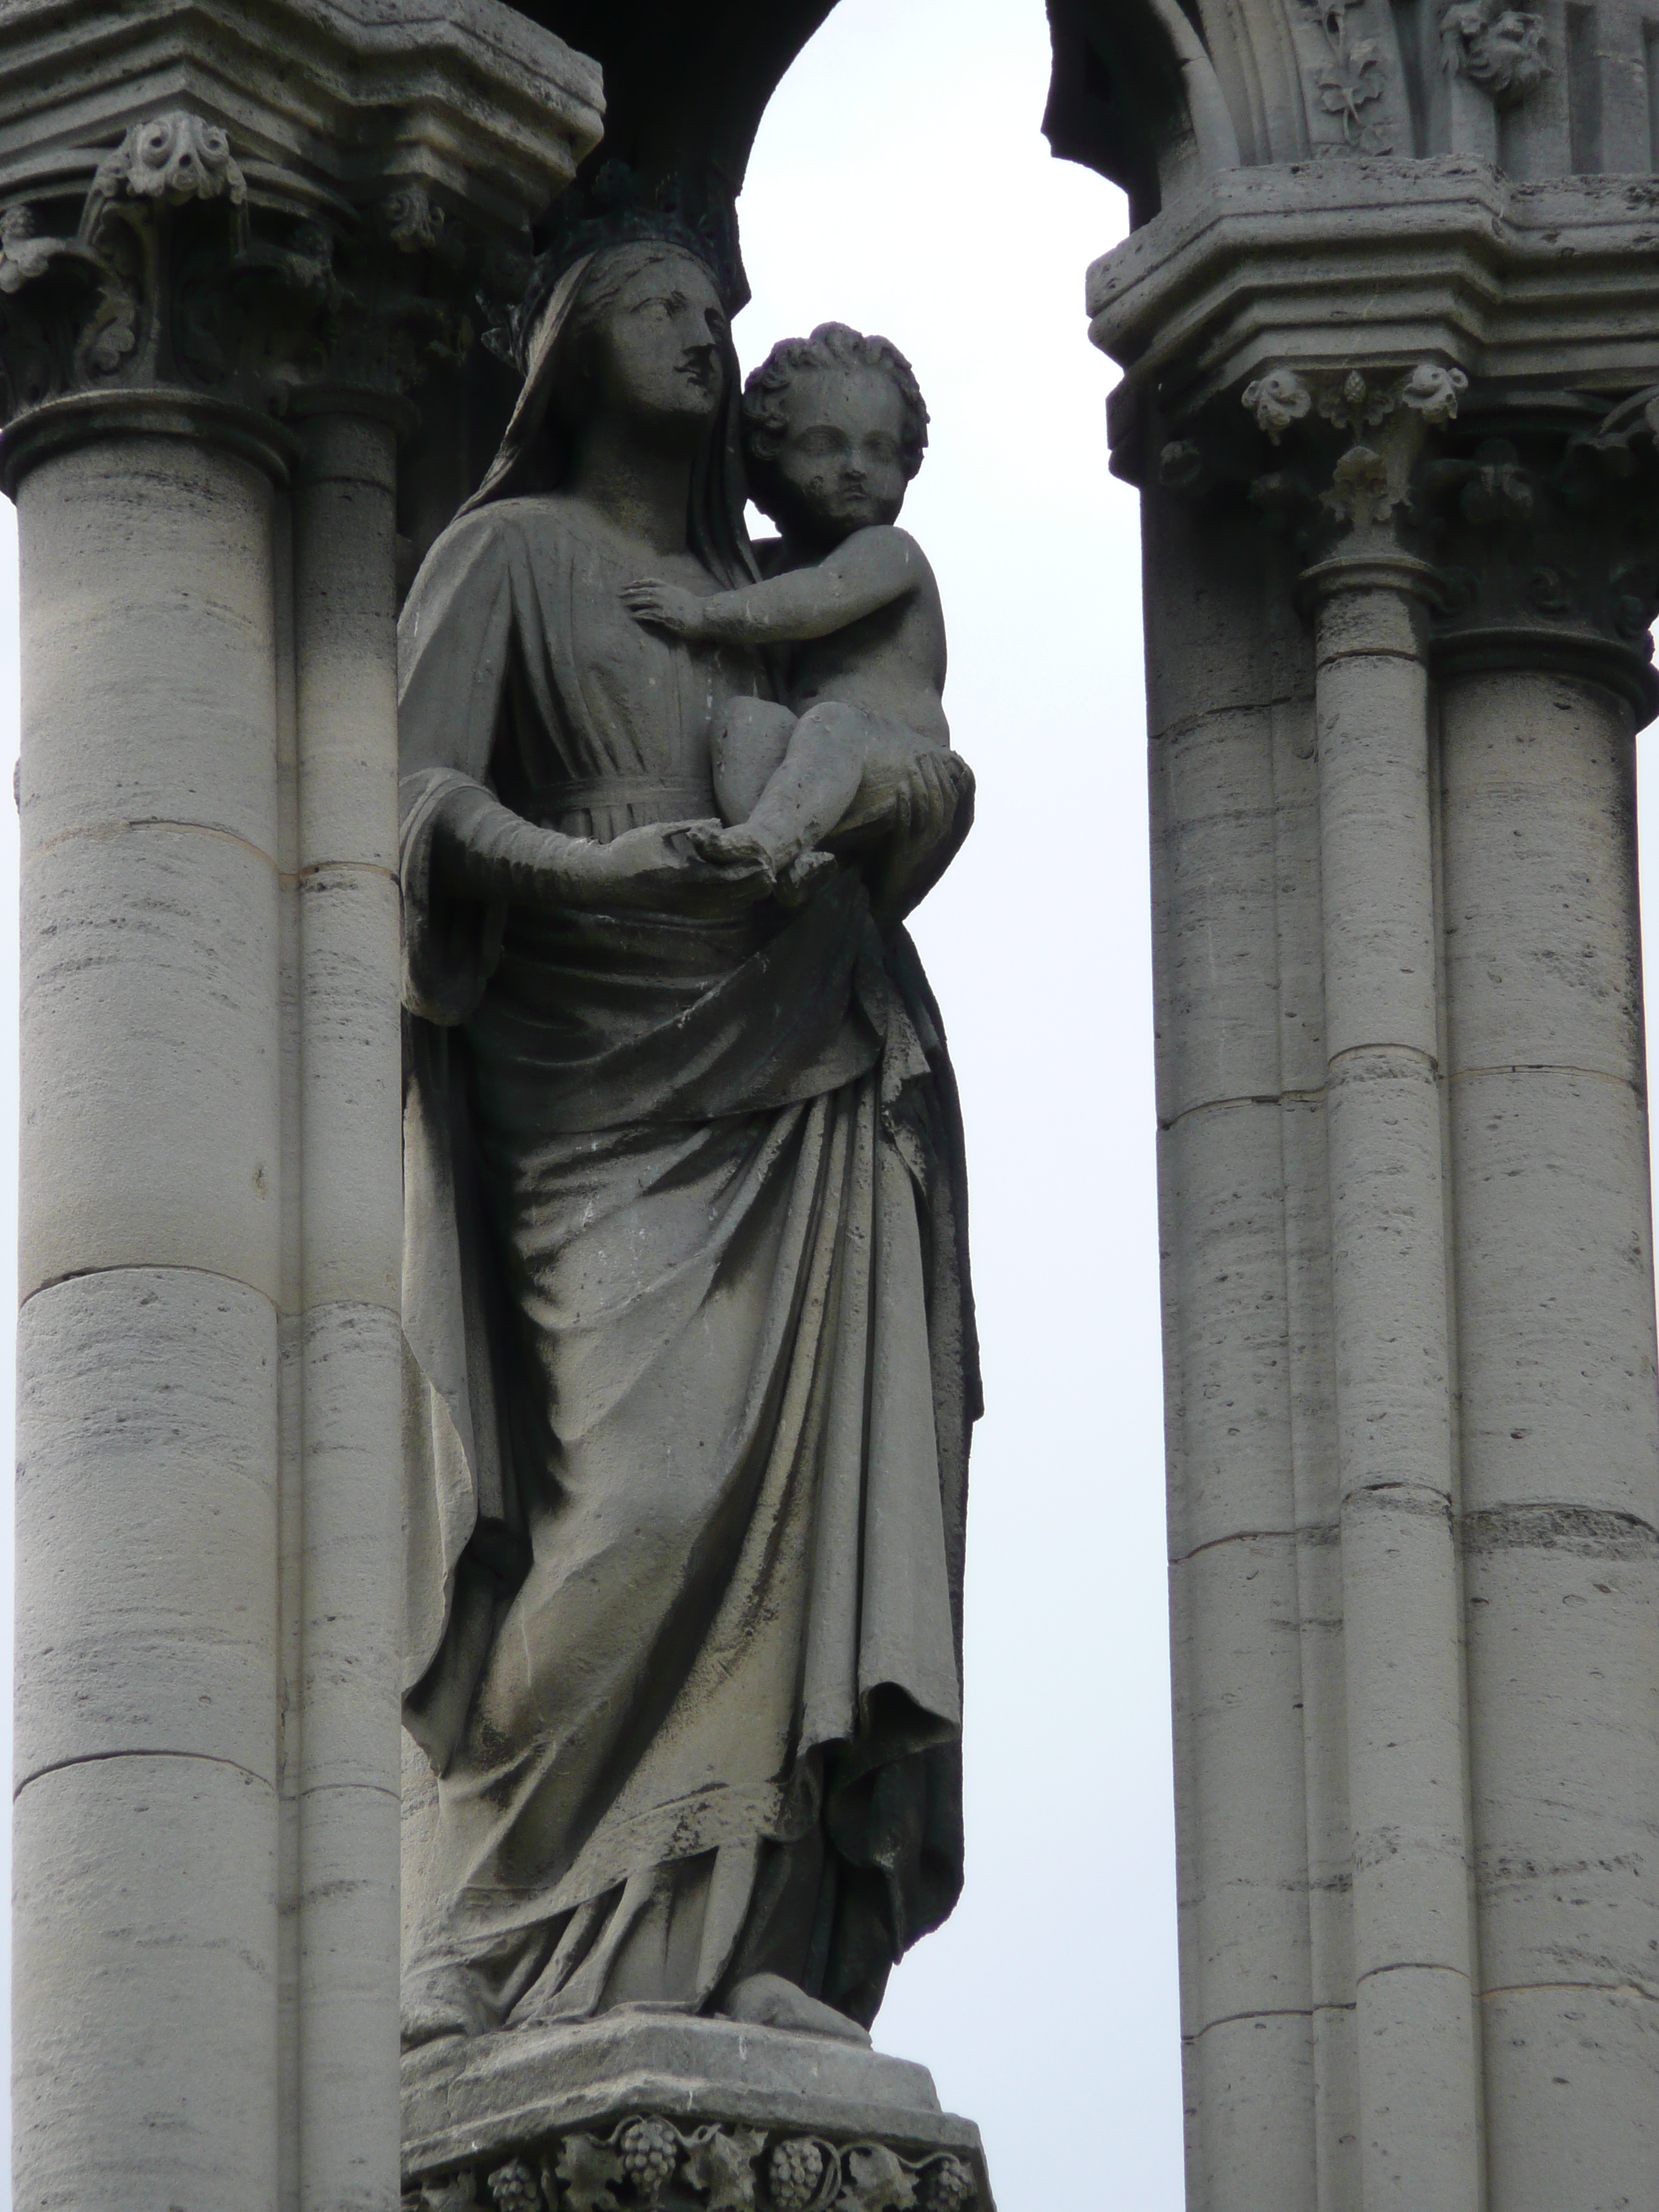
x,y
832,345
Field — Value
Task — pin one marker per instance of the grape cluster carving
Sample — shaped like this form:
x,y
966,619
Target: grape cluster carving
x,y
647,2164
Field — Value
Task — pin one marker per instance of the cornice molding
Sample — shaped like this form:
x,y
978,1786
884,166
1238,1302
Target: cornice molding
x,y
1374,264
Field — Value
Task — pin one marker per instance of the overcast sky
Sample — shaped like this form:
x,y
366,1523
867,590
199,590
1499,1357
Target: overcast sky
x,y
901,183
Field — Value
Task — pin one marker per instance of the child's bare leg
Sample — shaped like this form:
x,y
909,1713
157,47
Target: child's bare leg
x,y
750,743
817,780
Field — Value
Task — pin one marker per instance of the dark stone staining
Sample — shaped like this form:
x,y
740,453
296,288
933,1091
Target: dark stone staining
x,y
1588,1532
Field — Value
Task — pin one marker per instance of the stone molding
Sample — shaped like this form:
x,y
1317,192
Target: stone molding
x,y
648,2162
1555,283
71,421
659,2112
256,202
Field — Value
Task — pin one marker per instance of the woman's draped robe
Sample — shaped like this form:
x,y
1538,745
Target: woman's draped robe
x,y
692,1366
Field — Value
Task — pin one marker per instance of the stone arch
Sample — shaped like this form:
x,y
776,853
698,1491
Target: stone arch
x,y
1134,93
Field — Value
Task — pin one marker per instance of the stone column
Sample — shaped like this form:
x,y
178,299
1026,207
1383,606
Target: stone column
x,y
1560,1425
1478,539
210,313
1418,2096
145,2020
1235,830
350,1248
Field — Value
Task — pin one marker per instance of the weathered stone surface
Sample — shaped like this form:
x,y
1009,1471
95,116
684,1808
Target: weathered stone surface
x,y
746,2113
462,95
144,1984
215,217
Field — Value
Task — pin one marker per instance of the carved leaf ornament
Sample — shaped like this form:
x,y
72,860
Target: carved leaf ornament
x,y
174,276
1277,400
648,2165
1353,78
1350,401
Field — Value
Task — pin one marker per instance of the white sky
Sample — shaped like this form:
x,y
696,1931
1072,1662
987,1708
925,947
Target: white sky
x,y
900,183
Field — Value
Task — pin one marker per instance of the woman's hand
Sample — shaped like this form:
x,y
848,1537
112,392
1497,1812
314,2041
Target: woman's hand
x,y
925,805
663,606
656,869
933,812
484,850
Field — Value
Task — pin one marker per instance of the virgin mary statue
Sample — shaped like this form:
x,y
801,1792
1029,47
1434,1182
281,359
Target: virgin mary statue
x,y
691,1364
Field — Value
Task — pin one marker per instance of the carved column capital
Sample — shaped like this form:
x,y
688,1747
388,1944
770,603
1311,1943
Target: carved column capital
x,y
1542,518
1529,519
317,221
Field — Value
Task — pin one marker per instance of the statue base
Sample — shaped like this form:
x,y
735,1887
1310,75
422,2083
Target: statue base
x,y
641,2111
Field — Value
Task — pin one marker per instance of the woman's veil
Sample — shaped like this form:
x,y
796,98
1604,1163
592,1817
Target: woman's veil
x,y
534,455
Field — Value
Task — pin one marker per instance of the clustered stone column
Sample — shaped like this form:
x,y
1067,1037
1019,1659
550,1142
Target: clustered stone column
x,y
1414,1427
212,318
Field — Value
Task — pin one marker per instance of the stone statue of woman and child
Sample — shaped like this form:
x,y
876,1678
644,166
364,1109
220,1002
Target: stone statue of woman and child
x,y
691,1366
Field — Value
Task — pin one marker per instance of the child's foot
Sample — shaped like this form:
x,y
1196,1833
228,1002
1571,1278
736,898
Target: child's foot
x,y
736,847
803,875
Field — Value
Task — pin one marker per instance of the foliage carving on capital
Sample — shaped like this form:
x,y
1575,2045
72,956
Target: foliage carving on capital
x,y
647,2160
1356,433
1497,48
170,264
1552,530
1537,511
1362,490
173,157
1277,400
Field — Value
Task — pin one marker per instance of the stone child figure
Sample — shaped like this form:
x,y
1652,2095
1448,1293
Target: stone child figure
x,y
834,430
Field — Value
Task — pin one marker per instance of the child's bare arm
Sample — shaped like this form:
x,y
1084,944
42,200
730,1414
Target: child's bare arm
x,y
869,570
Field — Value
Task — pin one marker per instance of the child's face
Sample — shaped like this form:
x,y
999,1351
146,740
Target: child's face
x,y
840,467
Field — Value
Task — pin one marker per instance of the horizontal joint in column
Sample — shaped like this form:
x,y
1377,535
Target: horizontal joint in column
x,y
1244,1098
1362,1062
134,1751
1419,1500
1312,1532
1261,2012
1411,1967
103,832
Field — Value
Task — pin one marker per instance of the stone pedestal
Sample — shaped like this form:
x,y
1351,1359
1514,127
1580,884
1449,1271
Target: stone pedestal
x,y
654,2109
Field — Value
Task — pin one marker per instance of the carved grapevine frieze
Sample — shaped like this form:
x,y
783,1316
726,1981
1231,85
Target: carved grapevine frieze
x,y
646,2164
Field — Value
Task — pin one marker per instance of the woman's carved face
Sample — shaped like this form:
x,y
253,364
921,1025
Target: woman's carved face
x,y
659,353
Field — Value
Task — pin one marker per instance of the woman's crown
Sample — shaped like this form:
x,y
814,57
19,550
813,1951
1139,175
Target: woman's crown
x,y
613,208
